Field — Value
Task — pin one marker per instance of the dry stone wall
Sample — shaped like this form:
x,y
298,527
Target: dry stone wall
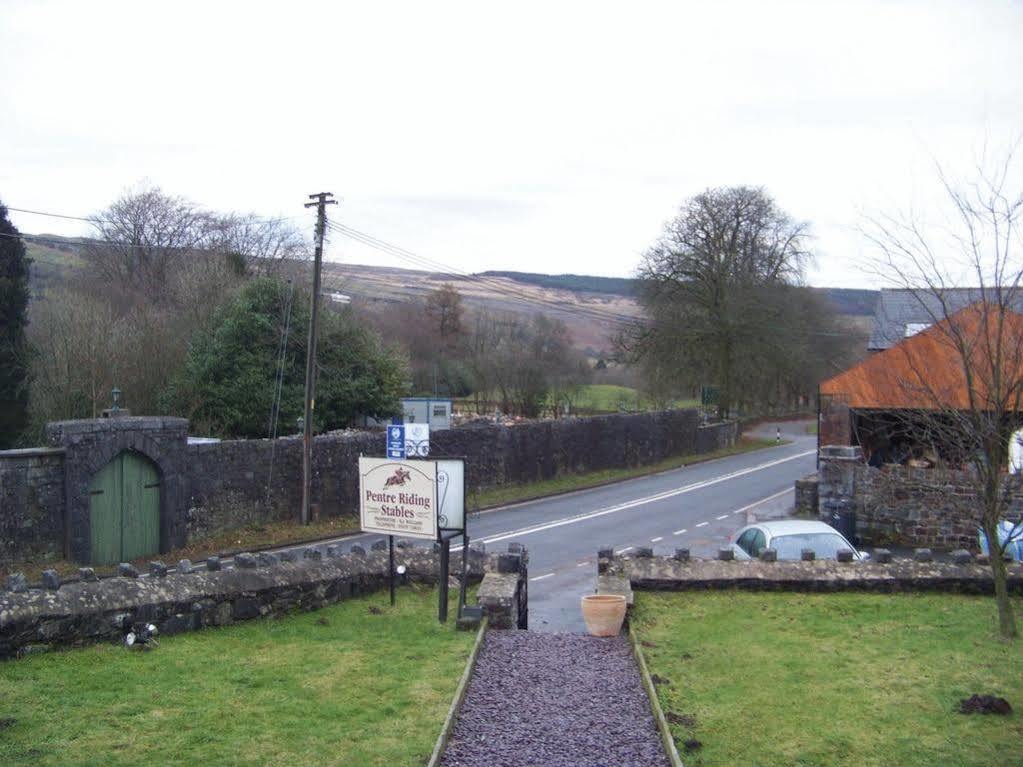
x,y
187,598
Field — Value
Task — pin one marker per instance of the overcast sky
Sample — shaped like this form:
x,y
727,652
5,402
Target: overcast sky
x,y
548,137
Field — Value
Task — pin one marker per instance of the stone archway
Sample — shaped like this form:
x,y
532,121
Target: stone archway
x,y
90,447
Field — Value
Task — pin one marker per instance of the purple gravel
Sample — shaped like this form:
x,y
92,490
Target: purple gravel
x,y
555,700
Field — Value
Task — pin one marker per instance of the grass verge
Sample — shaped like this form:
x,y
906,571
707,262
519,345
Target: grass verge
x,y
358,683
565,483
832,679
247,538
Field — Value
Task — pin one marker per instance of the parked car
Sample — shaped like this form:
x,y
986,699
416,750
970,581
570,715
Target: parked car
x,y
789,537
1010,535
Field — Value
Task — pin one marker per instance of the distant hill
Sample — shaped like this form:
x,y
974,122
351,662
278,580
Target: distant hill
x,y
848,301
617,286
592,307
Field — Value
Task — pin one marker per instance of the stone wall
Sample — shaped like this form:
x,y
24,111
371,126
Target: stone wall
x,y
212,487
898,505
31,504
254,586
806,496
681,573
232,483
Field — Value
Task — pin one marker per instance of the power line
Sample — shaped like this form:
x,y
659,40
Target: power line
x,y
97,219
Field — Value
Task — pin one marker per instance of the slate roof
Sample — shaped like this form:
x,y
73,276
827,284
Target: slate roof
x,y
898,308
925,371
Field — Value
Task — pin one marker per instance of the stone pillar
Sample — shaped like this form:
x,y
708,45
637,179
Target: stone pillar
x,y
836,486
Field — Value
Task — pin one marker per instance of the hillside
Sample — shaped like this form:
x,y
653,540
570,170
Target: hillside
x,y
592,307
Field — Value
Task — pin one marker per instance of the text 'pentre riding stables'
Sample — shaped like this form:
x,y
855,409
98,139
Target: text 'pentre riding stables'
x,y
398,497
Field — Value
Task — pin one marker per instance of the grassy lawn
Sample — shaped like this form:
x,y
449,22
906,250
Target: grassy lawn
x,y
832,679
353,684
496,496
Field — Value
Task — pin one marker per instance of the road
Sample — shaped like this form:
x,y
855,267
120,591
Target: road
x,y
696,507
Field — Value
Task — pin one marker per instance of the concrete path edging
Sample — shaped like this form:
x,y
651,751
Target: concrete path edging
x,y
458,699
655,705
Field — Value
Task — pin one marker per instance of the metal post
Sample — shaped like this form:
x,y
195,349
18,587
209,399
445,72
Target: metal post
x,y
310,362
390,566
445,558
465,572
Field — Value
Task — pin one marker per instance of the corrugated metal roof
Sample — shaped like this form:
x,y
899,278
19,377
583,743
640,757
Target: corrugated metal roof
x,y
896,309
925,371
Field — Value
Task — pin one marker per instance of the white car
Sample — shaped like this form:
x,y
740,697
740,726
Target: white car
x,y
789,537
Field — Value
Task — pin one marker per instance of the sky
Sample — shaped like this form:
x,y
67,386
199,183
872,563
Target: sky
x,y
550,137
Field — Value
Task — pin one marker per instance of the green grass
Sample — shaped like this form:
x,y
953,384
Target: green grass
x,y
610,398
497,496
833,679
340,686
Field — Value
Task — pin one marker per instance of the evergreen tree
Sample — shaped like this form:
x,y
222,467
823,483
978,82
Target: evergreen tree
x,y
14,263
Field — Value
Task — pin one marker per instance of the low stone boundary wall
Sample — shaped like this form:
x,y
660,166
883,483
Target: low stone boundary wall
x,y
255,586
681,573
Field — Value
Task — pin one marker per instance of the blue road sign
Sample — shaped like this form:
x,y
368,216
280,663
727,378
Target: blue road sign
x,y
396,441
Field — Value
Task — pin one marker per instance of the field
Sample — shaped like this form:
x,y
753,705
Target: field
x,y
358,683
609,398
832,679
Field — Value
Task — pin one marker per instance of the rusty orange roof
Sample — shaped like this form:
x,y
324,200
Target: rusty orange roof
x,y
926,371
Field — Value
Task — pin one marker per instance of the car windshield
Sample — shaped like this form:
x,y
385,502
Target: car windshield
x,y
824,545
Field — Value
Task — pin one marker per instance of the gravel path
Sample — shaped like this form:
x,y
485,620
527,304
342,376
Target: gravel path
x,y
555,700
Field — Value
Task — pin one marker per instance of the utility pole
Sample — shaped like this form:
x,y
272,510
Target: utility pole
x,y
321,204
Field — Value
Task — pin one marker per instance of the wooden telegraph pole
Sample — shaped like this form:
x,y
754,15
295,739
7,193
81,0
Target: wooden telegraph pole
x,y
321,204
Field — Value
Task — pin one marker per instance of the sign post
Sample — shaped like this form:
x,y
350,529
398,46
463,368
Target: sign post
x,y
397,497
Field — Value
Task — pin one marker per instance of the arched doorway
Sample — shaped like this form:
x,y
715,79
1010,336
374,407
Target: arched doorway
x,y
124,509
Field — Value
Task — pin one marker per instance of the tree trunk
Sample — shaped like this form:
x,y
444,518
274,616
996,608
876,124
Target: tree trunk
x,y
1006,618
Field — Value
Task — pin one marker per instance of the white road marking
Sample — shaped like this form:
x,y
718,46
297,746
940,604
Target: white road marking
x,y
703,524
679,532
723,516
639,501
582,564
764,500
658,538
541,577
622,551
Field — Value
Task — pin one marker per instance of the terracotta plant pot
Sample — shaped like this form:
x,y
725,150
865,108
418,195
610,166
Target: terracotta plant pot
x,y
604,614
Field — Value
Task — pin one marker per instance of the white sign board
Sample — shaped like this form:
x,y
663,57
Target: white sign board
x,y
398,497
417,440
451,493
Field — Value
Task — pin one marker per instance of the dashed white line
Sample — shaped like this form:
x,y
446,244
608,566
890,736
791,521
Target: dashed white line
x,y
541,577
703,524
723,516
680,532
639,501
582,564
622,551
658,538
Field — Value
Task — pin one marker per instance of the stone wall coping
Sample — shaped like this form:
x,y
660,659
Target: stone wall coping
x,y
666,573
91,611
32,452
93,425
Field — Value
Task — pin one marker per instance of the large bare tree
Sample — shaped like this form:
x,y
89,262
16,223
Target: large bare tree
x,y
715,289
964,270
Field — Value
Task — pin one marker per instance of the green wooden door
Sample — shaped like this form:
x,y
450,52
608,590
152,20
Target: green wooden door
x,y
125,510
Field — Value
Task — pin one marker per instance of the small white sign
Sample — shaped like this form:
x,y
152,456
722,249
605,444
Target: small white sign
x,y
417,440
398,497
451,493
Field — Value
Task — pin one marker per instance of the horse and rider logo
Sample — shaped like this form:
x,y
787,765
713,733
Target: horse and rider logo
x,y
399,478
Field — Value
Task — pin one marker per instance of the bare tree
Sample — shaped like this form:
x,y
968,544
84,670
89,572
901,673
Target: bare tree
x,y
708,289
963,380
